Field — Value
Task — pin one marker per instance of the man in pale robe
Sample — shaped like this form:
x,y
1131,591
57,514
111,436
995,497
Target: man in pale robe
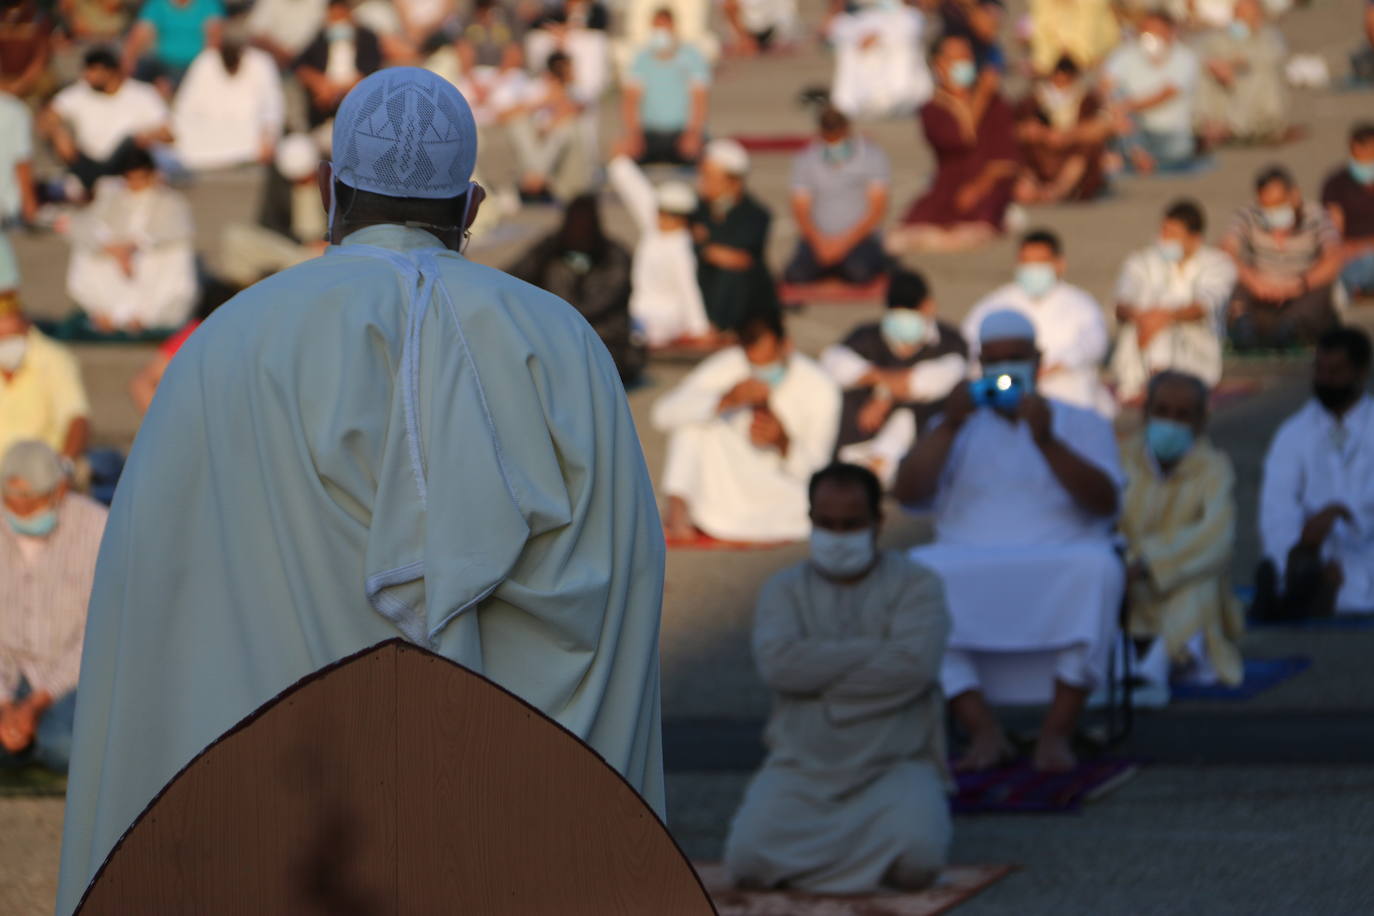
x,y
133,263
1316,507
852,795
880,71
230,106
1179,521
1170,305
386,441
746,430
1024,495
1069,325
1243,94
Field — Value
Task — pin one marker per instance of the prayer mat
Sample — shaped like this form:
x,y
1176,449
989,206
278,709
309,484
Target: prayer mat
x,y
77,328
1260,675
774,143
835,292
1230,391
957,884
704,541
1018,788
30,779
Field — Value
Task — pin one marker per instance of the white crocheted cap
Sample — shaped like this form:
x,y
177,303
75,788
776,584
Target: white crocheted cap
x,y
405,132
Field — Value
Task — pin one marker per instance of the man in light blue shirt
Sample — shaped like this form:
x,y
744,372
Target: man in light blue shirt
x,y
665,97
17,199
1153,82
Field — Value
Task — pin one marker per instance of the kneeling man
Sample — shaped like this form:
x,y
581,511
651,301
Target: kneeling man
x,y
747,429
1024,491
852,795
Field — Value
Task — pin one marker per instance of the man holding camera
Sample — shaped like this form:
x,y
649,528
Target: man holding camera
x,y
1024,491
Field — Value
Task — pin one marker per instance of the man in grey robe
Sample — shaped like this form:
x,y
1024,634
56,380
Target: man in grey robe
x,y
852,795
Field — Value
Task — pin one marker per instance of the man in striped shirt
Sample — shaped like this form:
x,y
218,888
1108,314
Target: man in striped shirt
x,y
48,546
1288,256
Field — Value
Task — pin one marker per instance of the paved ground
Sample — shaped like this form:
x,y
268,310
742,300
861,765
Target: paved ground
x,y
1262,807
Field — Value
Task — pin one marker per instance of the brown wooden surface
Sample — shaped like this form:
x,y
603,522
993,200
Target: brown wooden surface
x,y
397,783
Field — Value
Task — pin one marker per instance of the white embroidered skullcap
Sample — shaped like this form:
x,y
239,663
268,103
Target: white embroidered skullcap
x,y
405,132
730,156
35,463
297,156
676,197
1005,324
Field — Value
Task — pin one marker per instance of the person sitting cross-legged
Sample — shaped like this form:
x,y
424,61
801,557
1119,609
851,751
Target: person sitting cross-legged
x,y
852,796
1348,195
1316,514
747,429
731,228
48,547
1179,521
839,196
1025,491
895,374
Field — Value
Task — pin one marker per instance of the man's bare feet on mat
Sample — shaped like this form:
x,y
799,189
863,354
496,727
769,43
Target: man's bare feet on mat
x,y
987,750
1054,754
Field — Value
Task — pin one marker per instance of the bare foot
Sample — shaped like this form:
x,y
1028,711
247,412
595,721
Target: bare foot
x,y
986,751
677,522
1142,162
1053,754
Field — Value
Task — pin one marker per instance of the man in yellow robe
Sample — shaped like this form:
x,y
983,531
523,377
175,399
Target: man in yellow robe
x,y
1179,524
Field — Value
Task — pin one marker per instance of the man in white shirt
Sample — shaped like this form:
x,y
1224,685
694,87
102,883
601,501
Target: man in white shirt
x,y
285,28
665,300
1170,304
1317,498
229,108
895,374
94,123
747,429
1069,327
1153,81
880,71
48,547
133,255
1024,490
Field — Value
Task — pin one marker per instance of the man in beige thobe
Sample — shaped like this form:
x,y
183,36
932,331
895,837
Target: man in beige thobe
x,y
852,795
1179,523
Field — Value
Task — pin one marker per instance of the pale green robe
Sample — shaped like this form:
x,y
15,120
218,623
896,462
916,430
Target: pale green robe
x,y
318,474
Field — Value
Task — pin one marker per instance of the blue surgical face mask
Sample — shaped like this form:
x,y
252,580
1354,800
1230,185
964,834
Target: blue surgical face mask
x,y
39,525
1239,30
771,374
1170,250
1036,278
837,152
904,327
660,40
1282,217
963,73
342,31
1363,172
1169,440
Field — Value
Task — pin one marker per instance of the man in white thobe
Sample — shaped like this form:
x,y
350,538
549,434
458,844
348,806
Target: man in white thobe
x,y
1317,497
1024,490
1069,326
133,263
880,71
402,444
747,429
852,795
230,107
1170,302
665,300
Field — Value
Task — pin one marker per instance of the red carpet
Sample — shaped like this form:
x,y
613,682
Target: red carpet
x,y
704,541
957,884
834,292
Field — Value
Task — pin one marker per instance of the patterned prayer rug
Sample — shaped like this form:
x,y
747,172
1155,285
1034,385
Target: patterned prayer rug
x,y
1019,788
957,884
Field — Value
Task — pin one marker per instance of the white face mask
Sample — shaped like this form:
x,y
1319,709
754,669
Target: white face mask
x,y
12,350
842,555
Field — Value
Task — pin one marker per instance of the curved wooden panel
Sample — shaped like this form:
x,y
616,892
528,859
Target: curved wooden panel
x,y
397,782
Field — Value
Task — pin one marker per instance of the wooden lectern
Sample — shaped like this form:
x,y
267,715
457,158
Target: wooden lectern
x,y
397,782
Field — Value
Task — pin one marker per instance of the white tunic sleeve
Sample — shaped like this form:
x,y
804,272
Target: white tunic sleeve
x,y
1281,516
933,379
635,192
789,660
844,365
696,397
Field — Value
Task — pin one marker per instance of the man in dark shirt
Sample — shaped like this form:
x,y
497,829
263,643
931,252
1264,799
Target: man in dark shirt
x,y
731,231
1348,196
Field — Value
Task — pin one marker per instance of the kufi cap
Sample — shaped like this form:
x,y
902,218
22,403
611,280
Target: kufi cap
x,y
676,197
1005,324
35,463
730,156
297,156
405,132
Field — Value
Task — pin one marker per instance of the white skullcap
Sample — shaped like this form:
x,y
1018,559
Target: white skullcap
x,y
1005,324
405,132
35,463
730,156
297,156
676,197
